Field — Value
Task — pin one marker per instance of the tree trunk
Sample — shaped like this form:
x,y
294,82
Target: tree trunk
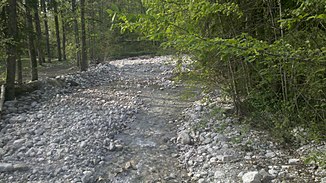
x,y
2,97
57,29
38,41
90,29
19,71
73,7
12,33
83,63
31,46
46,28
63,22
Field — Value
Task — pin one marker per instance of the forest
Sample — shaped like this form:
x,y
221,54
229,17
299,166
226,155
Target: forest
x,y
268,56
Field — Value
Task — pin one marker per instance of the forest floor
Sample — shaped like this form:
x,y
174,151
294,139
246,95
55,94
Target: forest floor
x,y
127,121
52,69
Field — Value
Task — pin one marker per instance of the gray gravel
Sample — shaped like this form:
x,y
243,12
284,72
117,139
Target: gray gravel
x,y
224,150
61,133
124,121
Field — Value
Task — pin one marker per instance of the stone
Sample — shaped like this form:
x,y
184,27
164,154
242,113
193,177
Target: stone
x,y
240,174
228,158
270,155
265,176
112,146
184,138
199,108
130,165
2,152
21,167
119,147
87,177
6,167
18,143
323,180
33,104
218,174
294,161
201,180
82,144
207,141
251,177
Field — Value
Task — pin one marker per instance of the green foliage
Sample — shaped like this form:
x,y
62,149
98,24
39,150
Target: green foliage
x,y
270,59
316,157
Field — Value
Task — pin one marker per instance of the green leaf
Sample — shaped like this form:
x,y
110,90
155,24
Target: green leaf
x,y
321,16
113,17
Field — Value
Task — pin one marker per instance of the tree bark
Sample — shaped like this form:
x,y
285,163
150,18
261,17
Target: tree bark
x,y
77,44
12,33
63,22
2,97
93,38
38,41
19,71
46,29
31,46
83,63
57,29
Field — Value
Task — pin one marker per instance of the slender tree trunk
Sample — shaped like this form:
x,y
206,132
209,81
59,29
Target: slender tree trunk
x,y
89,41
38,41
57,29
100,55
46,28
83,63
19,70
12,33
63,22
73,7
92,34
31,46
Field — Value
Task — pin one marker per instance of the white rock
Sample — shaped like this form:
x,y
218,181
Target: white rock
x,y
82,144
273,172
6,167
251,177
18,142
198,108
112,146
293,161
270,155
323,180
201,180
218,174
240,174
87,177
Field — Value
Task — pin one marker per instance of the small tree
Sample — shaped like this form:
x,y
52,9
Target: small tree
x,y
83,63
11,33
31,38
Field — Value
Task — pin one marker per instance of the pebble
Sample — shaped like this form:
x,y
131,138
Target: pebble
x,y
6,167
184,138
219,174
87,177
251,177
323,180
294,161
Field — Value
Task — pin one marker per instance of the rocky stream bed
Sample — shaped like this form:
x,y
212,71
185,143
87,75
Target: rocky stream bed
x,y
125,121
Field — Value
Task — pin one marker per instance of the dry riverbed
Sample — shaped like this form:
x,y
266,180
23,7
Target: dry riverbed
x,y
125,121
